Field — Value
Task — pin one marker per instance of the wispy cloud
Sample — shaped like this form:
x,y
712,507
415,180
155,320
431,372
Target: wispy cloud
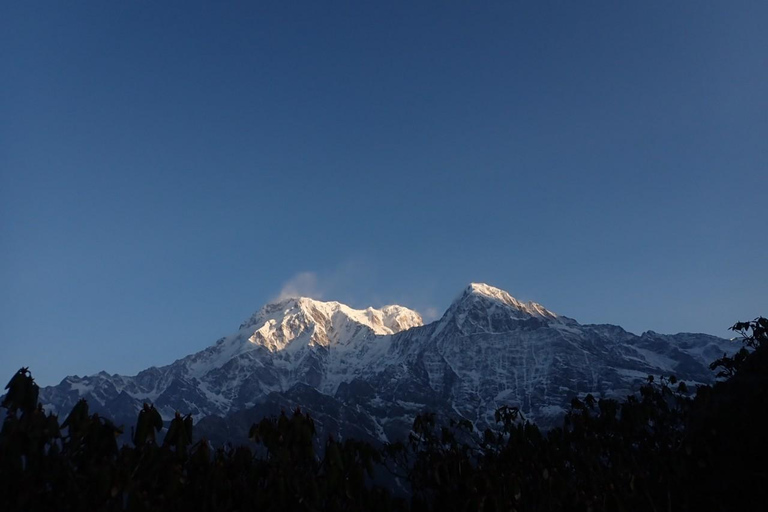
x,y
430,314
347,283
303,284
355,282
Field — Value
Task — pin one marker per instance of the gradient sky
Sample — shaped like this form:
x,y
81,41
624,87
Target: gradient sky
x,y
167,168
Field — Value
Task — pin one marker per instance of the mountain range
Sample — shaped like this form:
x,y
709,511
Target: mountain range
x,y
367,373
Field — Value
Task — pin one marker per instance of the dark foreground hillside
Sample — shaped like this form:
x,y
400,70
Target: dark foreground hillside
x,y
667,448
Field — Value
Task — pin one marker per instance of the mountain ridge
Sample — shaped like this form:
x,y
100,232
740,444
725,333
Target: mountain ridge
x,y
383,366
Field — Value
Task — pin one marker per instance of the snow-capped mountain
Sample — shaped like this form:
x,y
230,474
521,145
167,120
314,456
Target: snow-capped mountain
x,y
367,373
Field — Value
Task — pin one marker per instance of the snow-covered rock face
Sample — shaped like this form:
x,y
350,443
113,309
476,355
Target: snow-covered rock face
x,y
483,308
485,295
294,313
372,370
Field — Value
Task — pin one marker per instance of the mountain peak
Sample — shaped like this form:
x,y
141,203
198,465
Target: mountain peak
x,y
325,322
487,292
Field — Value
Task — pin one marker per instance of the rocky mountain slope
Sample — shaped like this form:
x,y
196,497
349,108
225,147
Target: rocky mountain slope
x,y
367,373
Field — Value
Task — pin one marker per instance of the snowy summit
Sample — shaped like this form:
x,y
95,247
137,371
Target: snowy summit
x,y
496,294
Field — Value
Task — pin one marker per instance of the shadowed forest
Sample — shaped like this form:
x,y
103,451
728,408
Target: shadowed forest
x,y
667,448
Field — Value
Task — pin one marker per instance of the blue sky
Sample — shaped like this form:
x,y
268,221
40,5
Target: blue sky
x,y
167,168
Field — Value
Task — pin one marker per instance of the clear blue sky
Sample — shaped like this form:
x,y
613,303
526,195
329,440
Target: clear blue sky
x,y
167,168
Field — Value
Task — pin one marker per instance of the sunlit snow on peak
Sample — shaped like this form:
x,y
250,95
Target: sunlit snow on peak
x,y
316,322
499,295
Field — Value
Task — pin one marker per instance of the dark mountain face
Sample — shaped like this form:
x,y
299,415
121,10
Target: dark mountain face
x,y
367,373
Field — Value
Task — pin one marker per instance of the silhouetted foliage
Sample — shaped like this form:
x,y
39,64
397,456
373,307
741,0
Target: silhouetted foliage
x,y
661,449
